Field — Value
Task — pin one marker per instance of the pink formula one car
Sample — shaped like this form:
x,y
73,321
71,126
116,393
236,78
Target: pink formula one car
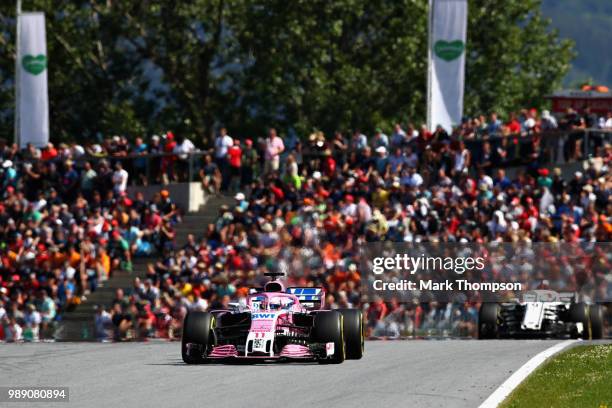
x,y
275,323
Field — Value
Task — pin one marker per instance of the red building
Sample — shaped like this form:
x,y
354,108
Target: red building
x,y
599,102
599,99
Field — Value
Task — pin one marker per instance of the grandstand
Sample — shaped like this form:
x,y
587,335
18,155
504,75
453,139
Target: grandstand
x,y
116,241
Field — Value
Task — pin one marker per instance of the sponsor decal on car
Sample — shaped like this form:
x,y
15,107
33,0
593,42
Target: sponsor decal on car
x,y
262,322
258,316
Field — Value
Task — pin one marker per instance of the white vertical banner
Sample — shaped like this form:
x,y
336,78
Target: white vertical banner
x,y
33,103
446,62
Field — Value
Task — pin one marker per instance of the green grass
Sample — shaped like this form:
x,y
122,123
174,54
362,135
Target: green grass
x,y
580,377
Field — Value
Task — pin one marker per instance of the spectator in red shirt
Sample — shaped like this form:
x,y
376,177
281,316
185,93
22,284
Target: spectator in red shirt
x,y
329,164
514,126
376,313
168,161
49,152
234,154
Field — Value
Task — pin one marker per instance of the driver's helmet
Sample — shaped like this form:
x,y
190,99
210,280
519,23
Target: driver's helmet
x,y
280,303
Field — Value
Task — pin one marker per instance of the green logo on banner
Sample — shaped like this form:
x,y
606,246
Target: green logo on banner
x,y
34,64
448,50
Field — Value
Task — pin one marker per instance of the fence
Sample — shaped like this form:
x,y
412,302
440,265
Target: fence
x,y
546,148
541,149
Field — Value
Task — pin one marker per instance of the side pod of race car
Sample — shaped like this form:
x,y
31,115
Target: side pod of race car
x,y
540,319
276,323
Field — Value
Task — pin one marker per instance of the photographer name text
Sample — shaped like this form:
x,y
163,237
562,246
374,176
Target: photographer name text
x,y
430,285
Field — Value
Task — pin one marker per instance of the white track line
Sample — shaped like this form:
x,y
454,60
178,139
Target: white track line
x,y
515,379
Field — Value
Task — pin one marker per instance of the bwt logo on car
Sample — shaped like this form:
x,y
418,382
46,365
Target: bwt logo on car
x,y
263,316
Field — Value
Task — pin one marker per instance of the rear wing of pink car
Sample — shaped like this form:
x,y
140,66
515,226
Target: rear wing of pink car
x,y
309,297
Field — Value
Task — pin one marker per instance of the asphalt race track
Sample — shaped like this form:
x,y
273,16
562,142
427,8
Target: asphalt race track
x,y
434,373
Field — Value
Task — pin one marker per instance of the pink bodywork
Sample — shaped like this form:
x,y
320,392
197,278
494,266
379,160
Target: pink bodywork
x,y
295,351
225,351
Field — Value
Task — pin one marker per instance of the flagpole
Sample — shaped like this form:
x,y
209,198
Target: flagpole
x,y
429,61
17,76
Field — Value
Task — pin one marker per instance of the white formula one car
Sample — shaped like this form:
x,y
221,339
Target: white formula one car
x,y
562,317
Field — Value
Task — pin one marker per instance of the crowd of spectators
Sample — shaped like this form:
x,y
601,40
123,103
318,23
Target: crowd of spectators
x,y
65,227
306,214
301,206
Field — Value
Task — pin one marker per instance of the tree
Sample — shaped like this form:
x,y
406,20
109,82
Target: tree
x,y
347,63
513,57
87,75
192,47
146,66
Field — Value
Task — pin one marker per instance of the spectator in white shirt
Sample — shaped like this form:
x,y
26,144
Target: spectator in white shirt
x,y
412,179
32,320
13,331
120,179
102,323
182,149
199,303
548,121
528,120
274,148
608,122
349,209
222,145
2,309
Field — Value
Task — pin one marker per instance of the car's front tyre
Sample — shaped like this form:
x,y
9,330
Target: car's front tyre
x,y
328,328
488,327
197,337
579,313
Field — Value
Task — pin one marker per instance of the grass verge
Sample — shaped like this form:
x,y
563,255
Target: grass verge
x,y
580,377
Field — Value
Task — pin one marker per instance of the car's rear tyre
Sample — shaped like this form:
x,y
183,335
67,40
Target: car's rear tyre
x,y
353,333
579,313
328,328
596,316
197,332
488,327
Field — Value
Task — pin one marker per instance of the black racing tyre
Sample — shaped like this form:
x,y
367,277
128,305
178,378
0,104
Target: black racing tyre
x,y
353,333
328,328
596,316
197,330
579,313
488,328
